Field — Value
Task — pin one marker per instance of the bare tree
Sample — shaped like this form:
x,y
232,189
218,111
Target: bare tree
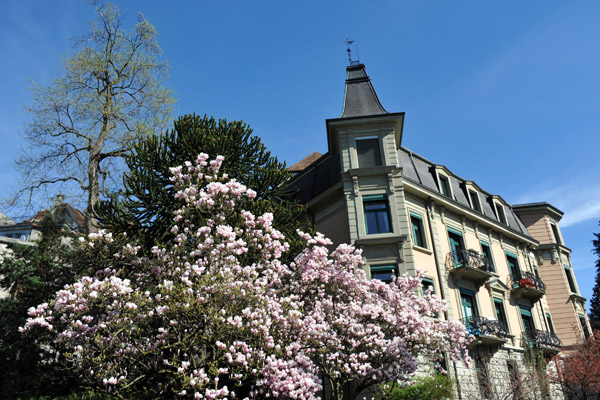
x,y
110,93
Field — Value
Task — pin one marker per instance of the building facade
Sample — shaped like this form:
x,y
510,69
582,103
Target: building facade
x,y
503,270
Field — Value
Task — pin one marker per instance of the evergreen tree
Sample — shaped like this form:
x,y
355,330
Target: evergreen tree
x,y
144,210
595,301
32,274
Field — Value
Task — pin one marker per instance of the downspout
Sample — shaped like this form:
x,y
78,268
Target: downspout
x,y
439,276
435,256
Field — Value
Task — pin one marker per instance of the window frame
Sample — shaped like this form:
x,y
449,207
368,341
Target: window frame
x,y
516,266
421,230
384,267
474,200
445,189
374,200
500,213
570,279
490,257
504,318
555,233
584,326
550,323
430,282
358,139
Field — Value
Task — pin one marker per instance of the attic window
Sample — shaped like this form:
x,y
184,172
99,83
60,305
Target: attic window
x,y
368,152
475,200
444,186
500,213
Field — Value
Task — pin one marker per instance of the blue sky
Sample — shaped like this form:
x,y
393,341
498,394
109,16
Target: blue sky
x,y
506,94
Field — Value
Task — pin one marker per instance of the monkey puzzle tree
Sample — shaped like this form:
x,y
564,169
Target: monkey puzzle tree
x,y
110,93
145,208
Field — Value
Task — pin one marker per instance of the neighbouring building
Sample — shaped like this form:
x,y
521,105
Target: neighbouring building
x,y
26,232
503,269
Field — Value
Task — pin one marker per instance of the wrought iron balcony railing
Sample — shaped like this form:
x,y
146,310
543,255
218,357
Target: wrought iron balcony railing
x,y
482,326
469,258
527,279
537,338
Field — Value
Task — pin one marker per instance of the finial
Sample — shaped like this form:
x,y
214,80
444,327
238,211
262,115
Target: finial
x,y
348,43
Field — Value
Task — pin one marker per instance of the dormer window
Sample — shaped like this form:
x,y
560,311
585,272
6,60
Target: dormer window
x,y
474,197
444,185
500,213
368,152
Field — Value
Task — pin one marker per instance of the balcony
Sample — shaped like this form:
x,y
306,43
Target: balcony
x,y
528,286
548,342
487,331
470,265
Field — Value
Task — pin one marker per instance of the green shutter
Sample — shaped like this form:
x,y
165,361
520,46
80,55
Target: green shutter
x,y
525,311
510,254
375,197
451,230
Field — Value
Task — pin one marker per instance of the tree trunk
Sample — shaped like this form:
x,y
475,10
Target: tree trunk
x,y
93,193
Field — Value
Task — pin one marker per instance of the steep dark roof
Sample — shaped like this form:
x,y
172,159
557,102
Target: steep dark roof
x,y
422,172
317,178
360,98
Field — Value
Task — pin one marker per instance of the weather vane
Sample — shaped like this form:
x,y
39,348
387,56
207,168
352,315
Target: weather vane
x,y
349,50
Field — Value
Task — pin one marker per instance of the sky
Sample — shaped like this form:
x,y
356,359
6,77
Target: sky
x,y
506,94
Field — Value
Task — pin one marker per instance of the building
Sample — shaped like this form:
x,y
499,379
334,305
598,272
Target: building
x,y
72,218
26,232
503,269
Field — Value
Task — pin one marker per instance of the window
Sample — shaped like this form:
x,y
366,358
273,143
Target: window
x,y
427,283
444,186
384,273
513,266
527,319
456,247
487,254
475,200
570,280
416,222
500,213
550,324
377,215
555,232
584,326
367,150
500,314
467,299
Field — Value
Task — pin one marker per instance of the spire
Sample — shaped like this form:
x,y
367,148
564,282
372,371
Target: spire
x,y
360,99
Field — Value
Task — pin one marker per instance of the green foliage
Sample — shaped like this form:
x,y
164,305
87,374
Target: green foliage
x,y
32,274
145,209
595,300
436,387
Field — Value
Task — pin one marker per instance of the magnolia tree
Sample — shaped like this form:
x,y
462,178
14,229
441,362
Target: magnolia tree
x,y
217,315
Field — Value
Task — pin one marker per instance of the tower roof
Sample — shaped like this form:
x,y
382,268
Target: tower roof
x,y
360,98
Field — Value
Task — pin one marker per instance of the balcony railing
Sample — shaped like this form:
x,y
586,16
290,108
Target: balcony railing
x,y
536,338
482,326
527,279
469,258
